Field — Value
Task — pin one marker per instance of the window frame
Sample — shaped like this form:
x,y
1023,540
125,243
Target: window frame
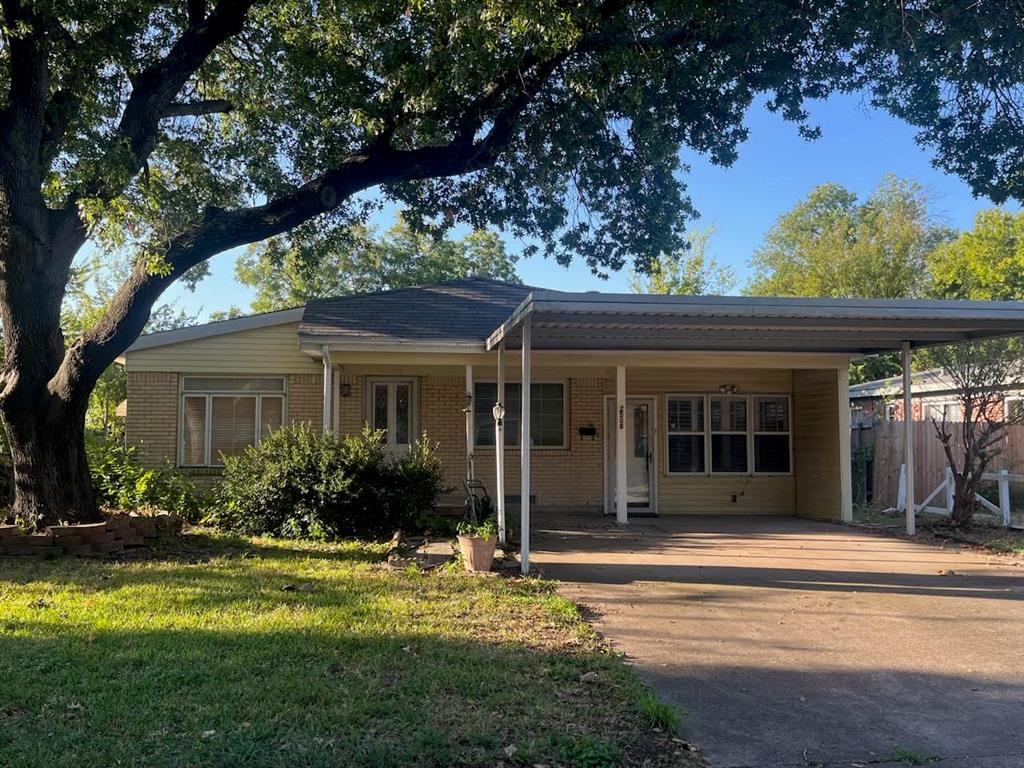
x,y
754,432
749,434
703,433
565,415
414,406
712,432
1015,397
208,395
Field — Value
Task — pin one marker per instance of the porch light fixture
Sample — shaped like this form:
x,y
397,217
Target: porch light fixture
x,y
498,412
345,390
727,389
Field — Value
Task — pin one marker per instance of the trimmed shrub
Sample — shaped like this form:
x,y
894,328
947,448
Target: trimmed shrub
x,y
301,483
119,482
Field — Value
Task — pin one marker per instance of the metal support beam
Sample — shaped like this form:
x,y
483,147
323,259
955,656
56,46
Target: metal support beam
x,y
908,440
524,454
470,460
499,444
325,353
845,459
621,512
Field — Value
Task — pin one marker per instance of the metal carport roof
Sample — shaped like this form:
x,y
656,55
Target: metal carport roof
x,y
592,321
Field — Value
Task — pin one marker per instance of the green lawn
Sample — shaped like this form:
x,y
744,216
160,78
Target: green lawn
x,y
261,653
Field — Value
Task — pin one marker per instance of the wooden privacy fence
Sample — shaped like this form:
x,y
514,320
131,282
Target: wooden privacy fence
x,y
929,458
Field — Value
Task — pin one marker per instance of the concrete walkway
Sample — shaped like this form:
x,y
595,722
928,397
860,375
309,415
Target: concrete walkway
x,y
798,643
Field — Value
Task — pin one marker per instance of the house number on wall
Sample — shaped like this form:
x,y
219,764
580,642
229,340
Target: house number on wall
x,y
622,417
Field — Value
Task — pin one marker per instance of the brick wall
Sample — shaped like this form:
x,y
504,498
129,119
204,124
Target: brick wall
x,y
306,399
151,423
561,478
571,477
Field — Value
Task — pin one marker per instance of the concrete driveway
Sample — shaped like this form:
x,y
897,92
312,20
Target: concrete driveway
x,y
797,643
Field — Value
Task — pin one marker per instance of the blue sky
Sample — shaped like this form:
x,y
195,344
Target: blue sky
x,y
775,169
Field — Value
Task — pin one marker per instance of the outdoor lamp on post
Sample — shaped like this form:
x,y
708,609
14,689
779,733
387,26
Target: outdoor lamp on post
x,y
498,411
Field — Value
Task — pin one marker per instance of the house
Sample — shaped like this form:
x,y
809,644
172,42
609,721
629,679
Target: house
x,y
934,396
638,405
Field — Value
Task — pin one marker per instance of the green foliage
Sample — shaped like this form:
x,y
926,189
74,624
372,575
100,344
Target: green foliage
x,y
314,262
686,272
119,482
486,530
831,245
589,752
986,262
911,757
659,714
301,483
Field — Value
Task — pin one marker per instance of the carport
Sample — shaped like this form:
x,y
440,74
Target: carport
x,y
624,331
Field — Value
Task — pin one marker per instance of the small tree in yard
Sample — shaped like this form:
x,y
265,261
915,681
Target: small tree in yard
x,y
979,372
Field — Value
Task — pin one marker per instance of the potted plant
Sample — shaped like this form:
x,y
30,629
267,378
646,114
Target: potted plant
x,y
477,542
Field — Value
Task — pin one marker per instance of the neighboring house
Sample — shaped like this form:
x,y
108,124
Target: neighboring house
x,y
933,396
638,404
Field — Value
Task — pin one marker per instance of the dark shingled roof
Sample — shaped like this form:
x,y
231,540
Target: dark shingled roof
x,y
459,311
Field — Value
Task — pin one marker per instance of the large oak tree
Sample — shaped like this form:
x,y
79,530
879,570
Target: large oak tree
x,y
177,130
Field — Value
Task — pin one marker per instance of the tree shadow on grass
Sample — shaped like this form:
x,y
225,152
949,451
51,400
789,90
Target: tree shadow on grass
x,y
316,696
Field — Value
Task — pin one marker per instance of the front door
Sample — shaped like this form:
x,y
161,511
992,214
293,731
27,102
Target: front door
x,y
391,410
639,422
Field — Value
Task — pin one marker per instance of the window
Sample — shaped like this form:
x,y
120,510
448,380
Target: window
x,y
728,416
943,412
547,414
1014,410
771,435
685,433
221,416
392,410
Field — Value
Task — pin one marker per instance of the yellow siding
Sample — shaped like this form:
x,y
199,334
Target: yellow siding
x,y
713,494
274,349
816,453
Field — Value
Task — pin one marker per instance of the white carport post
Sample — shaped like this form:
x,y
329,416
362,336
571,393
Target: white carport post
x,y
621,512
499,443
325,353
908,441
524,454
470,460
845,459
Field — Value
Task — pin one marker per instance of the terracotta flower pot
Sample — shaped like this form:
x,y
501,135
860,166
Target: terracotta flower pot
x,y
477,552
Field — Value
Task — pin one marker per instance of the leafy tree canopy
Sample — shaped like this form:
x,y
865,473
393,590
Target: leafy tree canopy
x,y
986,262
690,271
830,244
313,262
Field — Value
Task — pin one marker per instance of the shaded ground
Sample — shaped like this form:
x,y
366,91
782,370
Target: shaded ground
x,y
799,643
247,652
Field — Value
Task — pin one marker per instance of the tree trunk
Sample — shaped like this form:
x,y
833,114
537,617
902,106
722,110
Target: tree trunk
x,y
51,473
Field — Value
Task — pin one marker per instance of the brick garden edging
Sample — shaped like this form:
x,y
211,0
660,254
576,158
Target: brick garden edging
x,y
114,535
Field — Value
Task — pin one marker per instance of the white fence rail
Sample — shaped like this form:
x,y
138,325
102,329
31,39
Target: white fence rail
x,y
946,489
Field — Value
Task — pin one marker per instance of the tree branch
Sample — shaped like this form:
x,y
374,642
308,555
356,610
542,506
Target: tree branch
x,y
153,93
196,108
